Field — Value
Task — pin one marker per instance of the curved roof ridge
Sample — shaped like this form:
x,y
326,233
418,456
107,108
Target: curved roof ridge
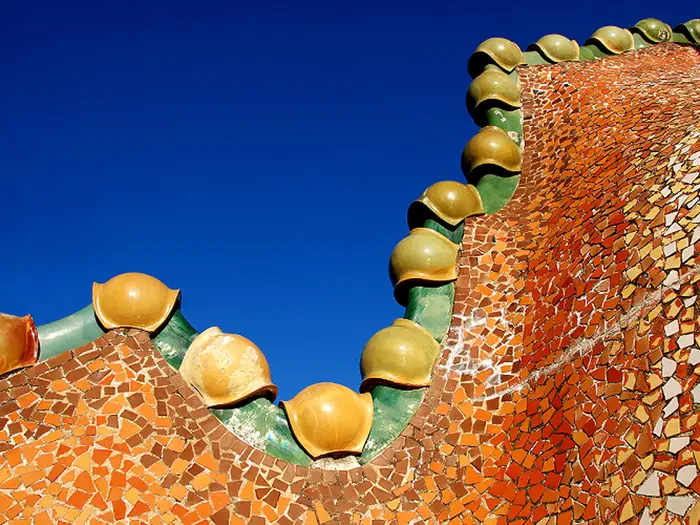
x,y
423,265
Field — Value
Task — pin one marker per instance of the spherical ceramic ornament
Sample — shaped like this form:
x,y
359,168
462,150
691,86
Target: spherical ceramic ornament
x,y
556,48
491,146
493,86
500,51
653,30
133,300
226,369
401,354
615,39
691,29
423,255
449,200
19,342
330,419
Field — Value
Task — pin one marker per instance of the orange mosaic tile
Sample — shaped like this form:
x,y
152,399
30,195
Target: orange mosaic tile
x,y
570,300
568,387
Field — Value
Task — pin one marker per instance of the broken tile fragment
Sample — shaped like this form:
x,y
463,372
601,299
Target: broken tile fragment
x,y
679,505
672,388
651,486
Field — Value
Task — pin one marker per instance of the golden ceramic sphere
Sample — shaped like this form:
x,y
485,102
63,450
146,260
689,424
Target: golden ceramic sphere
x,y
423,255
133,300
19,342
226,369
330,419
557,48
690,29
491,146
653,30
493,86
615,39
401,354
500,51
449,200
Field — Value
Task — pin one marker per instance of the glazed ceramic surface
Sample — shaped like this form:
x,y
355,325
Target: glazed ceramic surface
x,y
425,255
401,354
19,342
329,419
451,201
491,146
226,368
500,51
494,86
615,39
654,30
557,48
133,300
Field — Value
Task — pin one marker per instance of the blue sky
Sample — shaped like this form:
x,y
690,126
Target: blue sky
x,y
260,156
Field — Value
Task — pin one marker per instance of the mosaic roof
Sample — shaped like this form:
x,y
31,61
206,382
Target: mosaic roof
x,y
546,370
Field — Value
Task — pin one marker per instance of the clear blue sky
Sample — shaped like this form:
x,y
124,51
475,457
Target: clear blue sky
x,y
260,156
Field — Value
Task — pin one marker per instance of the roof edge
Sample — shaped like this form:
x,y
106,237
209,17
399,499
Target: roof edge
x,y
494,98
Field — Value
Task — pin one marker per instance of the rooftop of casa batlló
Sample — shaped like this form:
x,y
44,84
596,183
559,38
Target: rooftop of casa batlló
x,y
546,370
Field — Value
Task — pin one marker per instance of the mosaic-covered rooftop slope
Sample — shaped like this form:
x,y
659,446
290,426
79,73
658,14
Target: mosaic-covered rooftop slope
x,y
566,390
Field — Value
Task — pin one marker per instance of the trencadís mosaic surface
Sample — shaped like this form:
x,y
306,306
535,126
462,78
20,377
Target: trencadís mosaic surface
x,y
546,371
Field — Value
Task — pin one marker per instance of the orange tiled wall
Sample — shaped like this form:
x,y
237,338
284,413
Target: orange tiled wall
x,y
565,393
576,339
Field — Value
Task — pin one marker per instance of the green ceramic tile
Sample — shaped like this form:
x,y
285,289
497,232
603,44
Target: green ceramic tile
x,y
393,410
174,339
586,54
70,332
431,307
264,425
509,121
496,191
533,58
639,41
680,38
453,233
591,52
